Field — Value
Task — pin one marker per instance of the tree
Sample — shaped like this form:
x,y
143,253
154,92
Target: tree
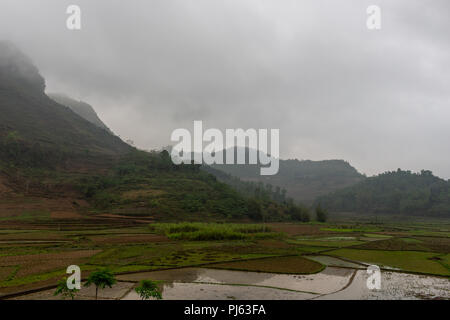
x,y
63,290
254,209
148,289
299,213
321,214
101,279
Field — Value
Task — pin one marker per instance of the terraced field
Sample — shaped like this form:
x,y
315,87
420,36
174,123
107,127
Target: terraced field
x,y
37,253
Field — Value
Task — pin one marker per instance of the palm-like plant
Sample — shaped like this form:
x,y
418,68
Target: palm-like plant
x,y
101,279
148,289
63,290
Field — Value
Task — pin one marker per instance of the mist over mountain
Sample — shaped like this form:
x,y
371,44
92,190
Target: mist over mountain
x,y
304,180
66,153
36,122
81,108
38,132
17,72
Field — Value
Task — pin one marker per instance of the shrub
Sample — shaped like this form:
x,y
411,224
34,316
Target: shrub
x,y
197,231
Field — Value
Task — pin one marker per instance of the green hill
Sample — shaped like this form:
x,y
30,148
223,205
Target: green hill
x,y
81,108
56,164
34,124
396,192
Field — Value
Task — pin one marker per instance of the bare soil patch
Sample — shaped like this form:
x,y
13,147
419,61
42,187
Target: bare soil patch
x,y
292,264
40,263
62,208
126,239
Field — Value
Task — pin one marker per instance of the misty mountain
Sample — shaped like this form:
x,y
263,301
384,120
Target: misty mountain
x,y
35,123
304,180
81,108
396,192
49,151
17,72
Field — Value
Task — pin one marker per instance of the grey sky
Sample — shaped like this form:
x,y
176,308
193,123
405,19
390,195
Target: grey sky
x,y
378,99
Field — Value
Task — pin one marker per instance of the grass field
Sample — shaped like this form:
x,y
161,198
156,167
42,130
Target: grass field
x,y
414,261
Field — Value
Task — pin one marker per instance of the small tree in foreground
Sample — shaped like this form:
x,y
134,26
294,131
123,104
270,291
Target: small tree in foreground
x,y
148,289
101,279
321,214
63,290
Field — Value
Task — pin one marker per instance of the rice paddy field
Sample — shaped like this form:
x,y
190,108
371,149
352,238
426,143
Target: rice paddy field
x,y
34,254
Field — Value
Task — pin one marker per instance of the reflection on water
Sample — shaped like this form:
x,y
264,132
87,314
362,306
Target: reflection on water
x,y
395,286
327,281
335,262
202,283
332,283
201,291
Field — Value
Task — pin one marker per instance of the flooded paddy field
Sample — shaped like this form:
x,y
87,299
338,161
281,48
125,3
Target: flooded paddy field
x,y
291,261
395,286
331,283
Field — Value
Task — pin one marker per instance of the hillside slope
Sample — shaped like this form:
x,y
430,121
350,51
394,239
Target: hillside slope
x,y
56,165
81,108
32,119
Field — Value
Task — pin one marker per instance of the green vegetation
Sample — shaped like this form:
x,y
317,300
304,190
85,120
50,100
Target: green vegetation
x,y
321,214
83,109
148,289
122,249
27,215
213,231
73,193
101,279
63,290
35,130
414,261
326,243
46,149
397,192
348,228
302,180
376,235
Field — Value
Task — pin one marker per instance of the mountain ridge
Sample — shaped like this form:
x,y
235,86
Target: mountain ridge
x,y
34,120
83,109
303,180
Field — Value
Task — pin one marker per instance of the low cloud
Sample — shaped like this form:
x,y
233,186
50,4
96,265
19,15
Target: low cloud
x,y
378,99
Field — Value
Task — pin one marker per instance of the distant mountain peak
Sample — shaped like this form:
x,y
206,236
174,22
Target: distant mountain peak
x,y
17,71
42,124
81,108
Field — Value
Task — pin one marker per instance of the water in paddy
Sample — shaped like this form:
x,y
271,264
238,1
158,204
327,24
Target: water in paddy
x,y
332,283
335,262
395,286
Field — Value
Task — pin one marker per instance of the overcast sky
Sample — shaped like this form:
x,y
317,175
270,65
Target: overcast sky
x,y
336,90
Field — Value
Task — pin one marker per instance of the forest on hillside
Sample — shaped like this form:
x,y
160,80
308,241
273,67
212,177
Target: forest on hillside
x,y
395,192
